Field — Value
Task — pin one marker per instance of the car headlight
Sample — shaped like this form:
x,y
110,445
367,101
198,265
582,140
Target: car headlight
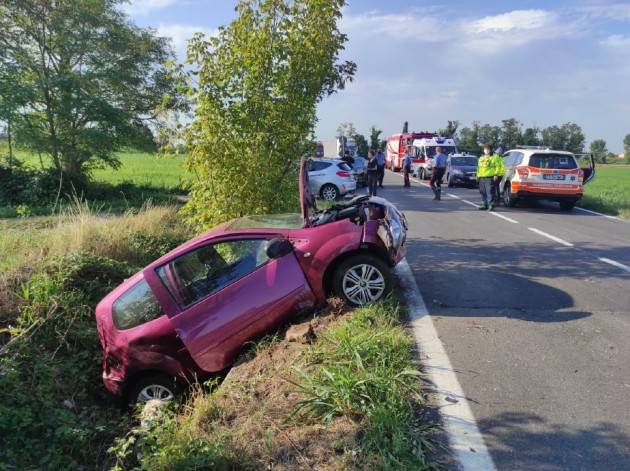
x,y
397,230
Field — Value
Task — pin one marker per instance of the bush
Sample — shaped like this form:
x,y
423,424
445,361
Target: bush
x,y
52,412
145,248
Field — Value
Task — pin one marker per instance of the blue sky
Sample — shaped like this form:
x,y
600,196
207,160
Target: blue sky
x,y
426,62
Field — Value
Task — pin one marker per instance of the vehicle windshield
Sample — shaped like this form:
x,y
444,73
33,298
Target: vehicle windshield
x,y
273,221
464,161
430,150
552,161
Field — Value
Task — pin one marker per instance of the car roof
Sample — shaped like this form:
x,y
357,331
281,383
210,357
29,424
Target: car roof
x,y
529,152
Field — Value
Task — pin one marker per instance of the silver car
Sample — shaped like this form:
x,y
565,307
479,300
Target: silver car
x,y
330,179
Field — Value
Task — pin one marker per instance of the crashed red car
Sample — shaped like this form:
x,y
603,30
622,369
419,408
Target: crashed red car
x,y
188,314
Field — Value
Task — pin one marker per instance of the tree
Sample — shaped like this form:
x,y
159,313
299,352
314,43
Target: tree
x,y
375,142
468,140
599,150
490,134
450,130
568,137
510,134
405,127
530,137
362,144
346,130
256,86
626,148
93,80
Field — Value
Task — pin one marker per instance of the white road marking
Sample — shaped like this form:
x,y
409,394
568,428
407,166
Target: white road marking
x,y
504,217
470,203
549,236
464,436
599,214
453,196
615,264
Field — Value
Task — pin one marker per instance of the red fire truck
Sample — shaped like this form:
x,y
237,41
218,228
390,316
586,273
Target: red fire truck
x,y
396,146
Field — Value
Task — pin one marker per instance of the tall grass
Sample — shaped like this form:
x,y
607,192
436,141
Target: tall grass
x,y
364,370
610,191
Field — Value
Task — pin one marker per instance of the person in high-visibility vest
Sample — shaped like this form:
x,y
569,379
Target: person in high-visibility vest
x,y
490,170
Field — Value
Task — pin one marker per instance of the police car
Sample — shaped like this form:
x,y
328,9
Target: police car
x,y
533,172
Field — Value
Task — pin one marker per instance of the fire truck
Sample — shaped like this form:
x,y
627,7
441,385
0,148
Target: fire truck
x,y
396,145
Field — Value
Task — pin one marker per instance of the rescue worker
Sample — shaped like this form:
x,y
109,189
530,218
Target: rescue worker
x,y
490,170
439,169
372,172
380,162
406,163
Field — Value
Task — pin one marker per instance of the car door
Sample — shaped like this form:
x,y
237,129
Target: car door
x,y
228,292
317,174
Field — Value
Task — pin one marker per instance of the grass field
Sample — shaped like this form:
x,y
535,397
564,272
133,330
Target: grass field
x,y
138,168
610,191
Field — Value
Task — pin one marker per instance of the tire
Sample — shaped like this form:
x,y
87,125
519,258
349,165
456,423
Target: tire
x,y
449,181
567,205
362,268
154,386
508,199
329,192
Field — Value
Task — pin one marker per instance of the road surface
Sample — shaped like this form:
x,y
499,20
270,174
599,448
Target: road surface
x,y
532,305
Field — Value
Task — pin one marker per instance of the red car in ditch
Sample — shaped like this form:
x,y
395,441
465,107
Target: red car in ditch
x,y
188,314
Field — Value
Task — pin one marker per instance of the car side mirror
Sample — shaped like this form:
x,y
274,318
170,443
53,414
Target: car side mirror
x,y
279,247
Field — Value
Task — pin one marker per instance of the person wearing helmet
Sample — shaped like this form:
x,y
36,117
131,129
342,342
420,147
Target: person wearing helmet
x,y
490,170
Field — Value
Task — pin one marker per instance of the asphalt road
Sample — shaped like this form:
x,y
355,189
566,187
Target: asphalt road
x,y
536,325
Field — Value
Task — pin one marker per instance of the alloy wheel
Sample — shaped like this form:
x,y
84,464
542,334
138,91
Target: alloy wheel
x,y
155,391
329,193
363,284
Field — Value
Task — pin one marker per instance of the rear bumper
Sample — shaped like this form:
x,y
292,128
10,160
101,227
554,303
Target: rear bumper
x,y
462,180
548,196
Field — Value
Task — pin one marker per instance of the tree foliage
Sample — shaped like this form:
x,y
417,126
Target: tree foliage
x,y
626,148
450,130
568,136
405,128
256,88
599,150
375,142
89,81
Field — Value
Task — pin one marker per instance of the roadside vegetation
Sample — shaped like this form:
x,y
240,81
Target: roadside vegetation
x,y
54,412
345,402
609,192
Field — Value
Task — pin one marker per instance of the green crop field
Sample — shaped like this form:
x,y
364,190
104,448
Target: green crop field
x,y
139,168
610,191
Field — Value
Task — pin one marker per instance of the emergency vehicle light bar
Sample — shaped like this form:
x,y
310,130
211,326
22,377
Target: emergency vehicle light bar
x,y
533,147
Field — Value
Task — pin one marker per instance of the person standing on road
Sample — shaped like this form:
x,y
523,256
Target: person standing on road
x,y
439,169
499,171
372,173
380,162
406,163
490,169
347,158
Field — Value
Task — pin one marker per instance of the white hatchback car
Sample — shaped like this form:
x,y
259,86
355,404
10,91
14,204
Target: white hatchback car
x,y
330,179
543,173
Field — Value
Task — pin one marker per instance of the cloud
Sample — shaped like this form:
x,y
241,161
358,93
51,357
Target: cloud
x,y
399,26
617,41
180,34
610,11
145,7
514,20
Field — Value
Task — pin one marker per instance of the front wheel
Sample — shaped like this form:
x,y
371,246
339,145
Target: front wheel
x,y
449,180
329,192
156,386
362,279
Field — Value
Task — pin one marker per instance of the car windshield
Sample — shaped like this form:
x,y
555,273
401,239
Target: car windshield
x,y
445,150
273,221
464,161
552,161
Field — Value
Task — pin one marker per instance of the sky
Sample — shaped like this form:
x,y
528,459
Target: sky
x,y
426,62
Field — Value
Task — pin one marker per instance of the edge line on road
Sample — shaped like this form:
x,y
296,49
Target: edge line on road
x,y
464,436
499,215
552,237
608,216
615,264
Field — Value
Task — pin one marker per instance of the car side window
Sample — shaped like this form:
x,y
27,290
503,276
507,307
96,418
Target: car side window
x,y
208,269
518,158
136,306
508,159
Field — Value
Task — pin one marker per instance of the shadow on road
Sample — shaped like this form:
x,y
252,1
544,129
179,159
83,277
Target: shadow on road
x,y
509,436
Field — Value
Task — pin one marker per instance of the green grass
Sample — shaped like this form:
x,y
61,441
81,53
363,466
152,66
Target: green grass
x,y
138,168
609,192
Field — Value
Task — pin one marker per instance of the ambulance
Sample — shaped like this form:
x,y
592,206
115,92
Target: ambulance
x,y
424,151
396,146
